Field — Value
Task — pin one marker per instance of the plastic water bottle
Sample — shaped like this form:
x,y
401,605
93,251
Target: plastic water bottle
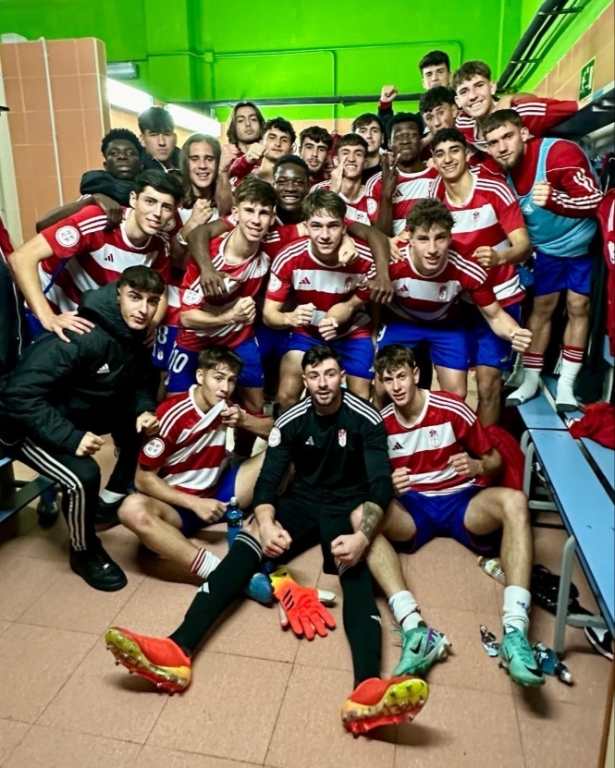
x,y
492,567
234,520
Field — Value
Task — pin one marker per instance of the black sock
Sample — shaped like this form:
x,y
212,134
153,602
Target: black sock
x,y
226,583
362,622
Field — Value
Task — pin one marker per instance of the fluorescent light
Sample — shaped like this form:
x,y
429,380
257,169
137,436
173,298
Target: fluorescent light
x,y
128,98
194,121
123,70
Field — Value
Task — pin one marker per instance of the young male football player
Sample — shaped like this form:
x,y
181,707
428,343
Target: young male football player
x,y
372,129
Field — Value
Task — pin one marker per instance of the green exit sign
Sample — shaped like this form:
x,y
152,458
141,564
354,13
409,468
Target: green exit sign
x,y
586,84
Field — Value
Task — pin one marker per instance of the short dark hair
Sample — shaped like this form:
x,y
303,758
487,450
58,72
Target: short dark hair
x,y
156,120
323,200
405,117
231,130
448,134
428,213
120,134
365,119
393,357
499,118
434,59
212,357
469,70
282,125
255,190
142,278
161,182
320,353
351,140
316,133
291,160
435,97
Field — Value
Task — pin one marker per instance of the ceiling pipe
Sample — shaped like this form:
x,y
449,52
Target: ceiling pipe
x,y
302,100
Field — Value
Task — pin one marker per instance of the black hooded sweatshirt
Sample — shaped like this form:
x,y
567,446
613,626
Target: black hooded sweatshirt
x,y
59,390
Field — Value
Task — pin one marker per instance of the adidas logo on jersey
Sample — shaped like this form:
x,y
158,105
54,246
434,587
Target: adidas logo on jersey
x,y
310,440
398,446
104,369
305,281
527,208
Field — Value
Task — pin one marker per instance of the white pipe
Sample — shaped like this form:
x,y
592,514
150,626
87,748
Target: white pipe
x,y
54,137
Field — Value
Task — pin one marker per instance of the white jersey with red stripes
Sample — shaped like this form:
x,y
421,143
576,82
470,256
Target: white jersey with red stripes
x,y
241,280
422,299
485,218
189,450
297,272
446,426
411,187
86,256
363,209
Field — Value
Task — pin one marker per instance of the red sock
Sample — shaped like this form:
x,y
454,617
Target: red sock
x,y
573,354
533,360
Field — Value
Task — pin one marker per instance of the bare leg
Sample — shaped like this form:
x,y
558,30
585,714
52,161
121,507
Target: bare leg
x,y
577,306
247,476
489,386
539,322
291,381
452,380
359,386
380,398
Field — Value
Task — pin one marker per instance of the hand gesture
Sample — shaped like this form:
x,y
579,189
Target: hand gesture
x,y
228,153
255,152
244,311
382,289
209,510
274,539
388,93
396,244
113,209
148,423
337,174
89,445
388,163
521,339
302,315
401,480
67,321
232,417
486,256
348,250
464,464
202,211
212,282
349,549
328,328
541,193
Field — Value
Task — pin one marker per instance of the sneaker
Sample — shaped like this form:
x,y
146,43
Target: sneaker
x,y
159,660
106,514
376,702
260,589
601,641
420,648
517,657
97,569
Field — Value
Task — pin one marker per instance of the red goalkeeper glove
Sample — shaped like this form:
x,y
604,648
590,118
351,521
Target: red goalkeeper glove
x,y
300,606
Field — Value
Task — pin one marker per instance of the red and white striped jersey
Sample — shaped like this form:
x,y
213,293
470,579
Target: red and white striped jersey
x,y
430,299
364,209
86,256
190,449
411,187
297,272
241,280
278,236
445,427
490,212
539,117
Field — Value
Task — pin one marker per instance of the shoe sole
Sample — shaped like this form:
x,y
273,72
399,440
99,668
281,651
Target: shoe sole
x,y
441,654
535,683
128,653
400,702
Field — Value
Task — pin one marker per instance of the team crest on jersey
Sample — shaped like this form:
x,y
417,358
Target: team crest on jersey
x,y
192,297
67,236
475,217
341,437
153,448
442,293
433,438
372,206
274,283
275,437
348,283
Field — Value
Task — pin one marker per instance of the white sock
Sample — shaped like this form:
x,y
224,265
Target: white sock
x,y
405,609
529,388
204,563
516,610
565,385
109,497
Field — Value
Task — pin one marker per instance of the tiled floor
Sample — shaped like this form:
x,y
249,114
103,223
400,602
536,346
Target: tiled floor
x,y
261,696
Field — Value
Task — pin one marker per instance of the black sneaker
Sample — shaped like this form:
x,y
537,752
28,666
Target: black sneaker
x,y
97,569
106,514
601,641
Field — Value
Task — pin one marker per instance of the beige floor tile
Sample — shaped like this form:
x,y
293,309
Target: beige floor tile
x,y
309,731
22,581
461,729
103,700
70,603
157,757
49,748
36,663
41,543
559,735
11,733
229,711
4,625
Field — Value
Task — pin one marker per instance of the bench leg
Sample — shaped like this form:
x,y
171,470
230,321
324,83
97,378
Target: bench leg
x,y
564,596
528,449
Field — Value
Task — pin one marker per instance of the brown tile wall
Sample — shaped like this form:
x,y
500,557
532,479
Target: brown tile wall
x,y
599,42
74,110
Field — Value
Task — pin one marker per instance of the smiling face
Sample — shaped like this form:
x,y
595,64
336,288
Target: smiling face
x,y
202,166
451,160
153,210
323,382
325,232
406,143
401,384
291,186
216,384
352,157
122,159
277,144
253,219
475,96
137,307
429,249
